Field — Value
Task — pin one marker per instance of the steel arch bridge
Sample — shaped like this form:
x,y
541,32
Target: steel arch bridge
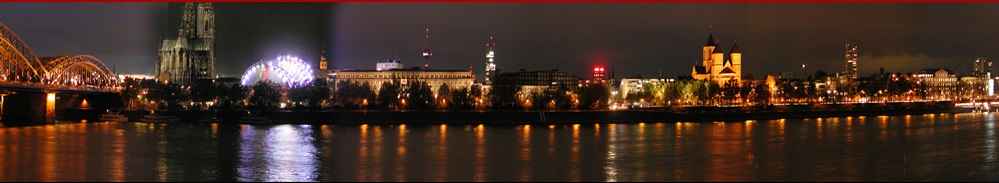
x,y
21,68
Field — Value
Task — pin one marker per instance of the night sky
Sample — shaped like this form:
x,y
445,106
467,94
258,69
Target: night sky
x,y
631,39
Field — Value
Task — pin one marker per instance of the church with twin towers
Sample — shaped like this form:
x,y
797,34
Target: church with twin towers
x,y
717,66
191,56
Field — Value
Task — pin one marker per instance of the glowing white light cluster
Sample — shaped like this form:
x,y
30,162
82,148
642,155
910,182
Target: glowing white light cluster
x,y
285,70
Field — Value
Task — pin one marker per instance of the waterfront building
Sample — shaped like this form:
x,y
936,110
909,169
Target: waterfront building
x,y
191,56
937,83
717,66
972,86
983,67
983,71
773,81
538,79
841,86
630,86
983,81
454,78
529,83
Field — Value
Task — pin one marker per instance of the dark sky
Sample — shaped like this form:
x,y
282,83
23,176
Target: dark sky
x,y
641,38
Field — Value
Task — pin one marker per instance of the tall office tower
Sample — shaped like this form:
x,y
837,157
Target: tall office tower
x,y
852,55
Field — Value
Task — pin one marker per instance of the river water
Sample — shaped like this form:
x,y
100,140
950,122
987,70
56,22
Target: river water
x,y
917,147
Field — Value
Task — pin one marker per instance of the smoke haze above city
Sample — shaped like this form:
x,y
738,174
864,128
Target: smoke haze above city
x,y
629,39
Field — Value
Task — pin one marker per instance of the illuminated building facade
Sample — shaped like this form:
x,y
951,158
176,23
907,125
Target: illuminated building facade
x,y
937,83
388,64
530,83
538,78
852,56
983,67
724,69
191,56
983,73
455,79
630,86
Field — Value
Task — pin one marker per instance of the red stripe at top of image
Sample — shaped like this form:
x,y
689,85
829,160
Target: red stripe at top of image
x,y
561,1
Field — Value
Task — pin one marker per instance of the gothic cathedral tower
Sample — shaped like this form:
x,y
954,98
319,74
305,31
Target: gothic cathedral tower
x,y
191,56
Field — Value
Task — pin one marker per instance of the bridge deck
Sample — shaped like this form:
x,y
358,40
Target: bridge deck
x,y
47,87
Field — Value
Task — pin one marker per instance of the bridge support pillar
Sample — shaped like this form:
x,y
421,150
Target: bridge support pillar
x,y
39,107
25,108
50,106
3,103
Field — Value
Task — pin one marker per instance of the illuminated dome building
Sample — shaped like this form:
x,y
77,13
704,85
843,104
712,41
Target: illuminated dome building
x,y
287,71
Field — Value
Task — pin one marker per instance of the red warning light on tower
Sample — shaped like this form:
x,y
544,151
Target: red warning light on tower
x,y
599,72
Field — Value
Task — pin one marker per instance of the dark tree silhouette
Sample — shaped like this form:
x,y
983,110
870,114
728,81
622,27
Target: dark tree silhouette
x,y
389,94
264,97
420,96
594,96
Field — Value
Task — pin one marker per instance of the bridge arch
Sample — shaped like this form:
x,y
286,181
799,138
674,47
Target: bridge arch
x,y
79,71
17,61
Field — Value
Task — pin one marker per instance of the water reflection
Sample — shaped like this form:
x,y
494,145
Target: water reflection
x,y
611,168
906,148
480,153
278,153
400,154
990,144
441,153
524,152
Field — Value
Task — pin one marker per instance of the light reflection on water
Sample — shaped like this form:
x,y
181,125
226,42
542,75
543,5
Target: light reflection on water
x,y
279,153
916,147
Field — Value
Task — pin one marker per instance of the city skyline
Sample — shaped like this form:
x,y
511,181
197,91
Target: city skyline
x,y
628,39
253,92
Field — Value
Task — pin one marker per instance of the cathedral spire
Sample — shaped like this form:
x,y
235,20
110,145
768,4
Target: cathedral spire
x,y
711,40
735,48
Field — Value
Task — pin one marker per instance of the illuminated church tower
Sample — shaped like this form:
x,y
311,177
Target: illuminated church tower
x,y
323,64
717,66
191,56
